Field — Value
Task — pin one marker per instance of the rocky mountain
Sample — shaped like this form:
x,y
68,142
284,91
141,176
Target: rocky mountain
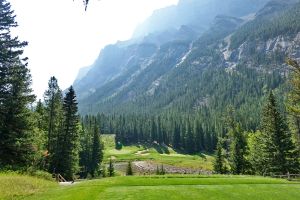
x,y
232,56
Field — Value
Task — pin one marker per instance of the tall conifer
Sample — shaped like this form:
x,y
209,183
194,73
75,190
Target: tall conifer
x,y
68,140
16,131
278,150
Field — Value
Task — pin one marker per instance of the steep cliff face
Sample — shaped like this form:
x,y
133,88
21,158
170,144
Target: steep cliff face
x,y
232,61
113,62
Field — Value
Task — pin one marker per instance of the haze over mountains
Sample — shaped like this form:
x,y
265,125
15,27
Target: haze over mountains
x,y
198,55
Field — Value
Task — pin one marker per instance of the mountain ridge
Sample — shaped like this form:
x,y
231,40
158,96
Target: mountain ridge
x,y
173,74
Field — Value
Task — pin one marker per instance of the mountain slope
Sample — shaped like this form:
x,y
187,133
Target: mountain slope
x,y
235,61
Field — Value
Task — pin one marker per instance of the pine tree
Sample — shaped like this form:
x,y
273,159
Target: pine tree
x,y
219,162
198,136
238,151
111,169
68,140
162,170
40,110
85,150
129,171
40,128
16,131
157,172
103,171
97,154
190,140
254,156
54,114
294,100
159,131
153,130
176,137
278,151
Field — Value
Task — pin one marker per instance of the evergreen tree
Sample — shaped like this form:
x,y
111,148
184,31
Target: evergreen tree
x,y
16,132
294,101
238,151
40,128
68,140
40,110
159,131
198,136
111,169
190,141
219,162
278,151
157,172
129,171
255,150
97,154
176,137
103,172
54,115
85,150
153,130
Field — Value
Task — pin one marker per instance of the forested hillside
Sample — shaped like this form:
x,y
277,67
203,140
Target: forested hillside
x,y
181,85
235,61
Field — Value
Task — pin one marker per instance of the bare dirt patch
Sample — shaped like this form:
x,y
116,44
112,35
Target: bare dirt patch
x,y
149,167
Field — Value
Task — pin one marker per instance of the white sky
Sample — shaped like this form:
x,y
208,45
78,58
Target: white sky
x,y
63,37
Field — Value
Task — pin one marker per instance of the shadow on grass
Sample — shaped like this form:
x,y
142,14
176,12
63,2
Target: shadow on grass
x,y
164,149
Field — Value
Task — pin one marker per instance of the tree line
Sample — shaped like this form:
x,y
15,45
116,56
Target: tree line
x,y
183,132
274,147
49,135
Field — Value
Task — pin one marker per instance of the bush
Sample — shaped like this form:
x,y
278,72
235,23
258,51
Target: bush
x,y
39,174
129,171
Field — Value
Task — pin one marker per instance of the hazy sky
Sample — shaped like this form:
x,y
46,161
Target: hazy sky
x,y
63,37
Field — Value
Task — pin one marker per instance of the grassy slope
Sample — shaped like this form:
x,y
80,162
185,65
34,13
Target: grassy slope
x,y
13,185
176,187
155,153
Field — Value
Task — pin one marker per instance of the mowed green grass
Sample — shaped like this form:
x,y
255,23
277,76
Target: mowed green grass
x,y
155,153
14,186
175,187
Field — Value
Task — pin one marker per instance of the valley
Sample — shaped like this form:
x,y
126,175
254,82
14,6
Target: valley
x,y
201,102
147,158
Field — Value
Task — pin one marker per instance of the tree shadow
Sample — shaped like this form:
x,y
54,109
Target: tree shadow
x,y
161,148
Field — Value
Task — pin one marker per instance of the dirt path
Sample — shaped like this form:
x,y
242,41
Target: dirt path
x,y
67,183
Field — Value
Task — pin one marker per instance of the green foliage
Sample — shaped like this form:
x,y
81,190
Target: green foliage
x,y
17,147
219,163
294,101
254,156
39,174
238,150
97,154
68,139
129,171
91,153
281,23
103,172
53,117
160,170
278,150
111,169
